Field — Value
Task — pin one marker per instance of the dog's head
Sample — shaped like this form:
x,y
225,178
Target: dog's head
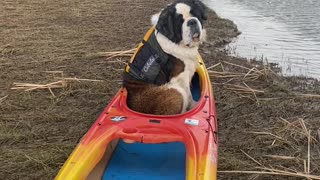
x,y
182,22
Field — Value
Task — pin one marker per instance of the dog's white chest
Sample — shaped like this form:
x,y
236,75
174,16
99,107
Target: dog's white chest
x,y
189,56
182,82
184,78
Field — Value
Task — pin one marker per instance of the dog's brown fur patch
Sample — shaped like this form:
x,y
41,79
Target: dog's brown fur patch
x,y
178,67
156,100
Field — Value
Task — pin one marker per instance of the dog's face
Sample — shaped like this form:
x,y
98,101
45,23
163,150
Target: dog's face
x,y
182,22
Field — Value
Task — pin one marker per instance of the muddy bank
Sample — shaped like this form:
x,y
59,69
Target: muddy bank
x,y
39,131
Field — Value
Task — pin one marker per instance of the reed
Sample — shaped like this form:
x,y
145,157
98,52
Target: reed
x,y
296,126
3,98
114,54
61,83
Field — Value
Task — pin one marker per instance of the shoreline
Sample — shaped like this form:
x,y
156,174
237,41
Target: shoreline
x,y
39,131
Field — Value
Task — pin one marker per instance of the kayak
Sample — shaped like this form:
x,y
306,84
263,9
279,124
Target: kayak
x,y
182,146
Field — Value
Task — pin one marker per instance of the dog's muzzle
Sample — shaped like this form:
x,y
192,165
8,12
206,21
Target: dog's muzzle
x,y
194,29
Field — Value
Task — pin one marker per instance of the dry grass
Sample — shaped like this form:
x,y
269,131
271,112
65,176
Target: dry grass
x,y
3,98
62,83
283,172
309,95
236,81
275,172
114,54
252,74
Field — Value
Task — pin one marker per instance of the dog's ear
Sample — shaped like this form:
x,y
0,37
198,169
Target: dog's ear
x,y
199,10
165,23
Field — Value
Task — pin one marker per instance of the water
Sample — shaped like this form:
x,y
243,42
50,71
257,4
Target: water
x,y
282,31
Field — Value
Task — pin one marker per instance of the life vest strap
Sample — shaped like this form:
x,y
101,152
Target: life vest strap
x,y
149,63
141,44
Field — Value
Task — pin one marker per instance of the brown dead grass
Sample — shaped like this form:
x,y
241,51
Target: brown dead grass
x,y
38,131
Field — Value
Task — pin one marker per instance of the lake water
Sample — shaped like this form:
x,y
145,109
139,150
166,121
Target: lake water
x,y
282,31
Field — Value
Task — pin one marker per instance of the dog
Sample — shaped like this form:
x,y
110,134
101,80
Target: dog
x,y
158,78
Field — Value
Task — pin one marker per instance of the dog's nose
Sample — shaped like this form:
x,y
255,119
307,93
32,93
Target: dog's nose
x,y
192,22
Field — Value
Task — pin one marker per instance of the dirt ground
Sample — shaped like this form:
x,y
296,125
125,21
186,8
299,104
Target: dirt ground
x,y
265,129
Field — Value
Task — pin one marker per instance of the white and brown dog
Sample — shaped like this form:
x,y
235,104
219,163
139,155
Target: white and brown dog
x,y
158,78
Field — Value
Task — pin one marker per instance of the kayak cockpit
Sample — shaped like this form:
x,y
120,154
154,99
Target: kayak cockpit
x,y
142,161
124,161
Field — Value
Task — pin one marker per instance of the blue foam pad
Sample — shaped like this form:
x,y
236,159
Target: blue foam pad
x,y
139,161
